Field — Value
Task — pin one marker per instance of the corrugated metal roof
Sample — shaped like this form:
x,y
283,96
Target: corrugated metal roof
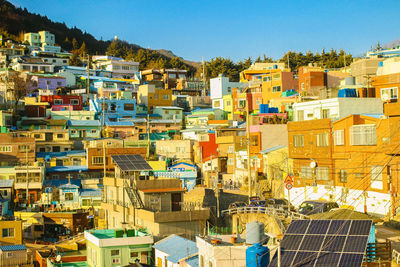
x,y
6,183
58,182
12,248
177,247
120,123
61,154
95,123
67,169
193,261
90,193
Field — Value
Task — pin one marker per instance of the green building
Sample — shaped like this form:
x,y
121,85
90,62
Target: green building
x,y
118,247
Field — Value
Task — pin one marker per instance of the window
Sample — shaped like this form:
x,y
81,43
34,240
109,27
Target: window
x,y
217,104
325,113
338,137
73,131
48,82
228,103
97,160
8,232
9,254
322,173
305,172
115,252
267,79
300,115
60,135
389,93
37,136
74,102
180,149
229,89
5,148
129,106
69,196
276,88
58,101
376,177
166,97
58,83
230,149
93,131
322,139
276,77
59,162
134,254
343,176
24,148
363,135
230,161
254,140
298,140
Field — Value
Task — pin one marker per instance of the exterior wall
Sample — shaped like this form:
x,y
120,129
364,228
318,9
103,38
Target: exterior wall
x,y
337,108
169,113
363,68
33,67
80,132
77,103
221,86
15,150
283,80
58,62
177,149
98,152
386,81
17,226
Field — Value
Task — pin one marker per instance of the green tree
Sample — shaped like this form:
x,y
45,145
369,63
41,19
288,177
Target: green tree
x,y
75,44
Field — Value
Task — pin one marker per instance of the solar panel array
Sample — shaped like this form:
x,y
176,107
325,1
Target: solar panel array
x,y
131,163
324,243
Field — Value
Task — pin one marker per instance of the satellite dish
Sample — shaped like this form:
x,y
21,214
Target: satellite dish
x,y
58,258
313,164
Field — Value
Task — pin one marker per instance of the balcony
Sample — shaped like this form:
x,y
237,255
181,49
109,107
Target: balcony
x,y
31,185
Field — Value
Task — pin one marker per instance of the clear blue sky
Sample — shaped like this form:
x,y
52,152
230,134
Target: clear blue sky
x,y
237,29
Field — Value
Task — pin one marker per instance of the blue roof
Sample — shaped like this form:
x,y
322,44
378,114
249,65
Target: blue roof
x,y
265,151
184,163
61,154
67,169
12,247
373,115
119,123
67,185
58,182
193,261
6,183
84,123
90,193
176,247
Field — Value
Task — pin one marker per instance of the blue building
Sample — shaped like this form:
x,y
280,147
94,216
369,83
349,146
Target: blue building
x,y
114,109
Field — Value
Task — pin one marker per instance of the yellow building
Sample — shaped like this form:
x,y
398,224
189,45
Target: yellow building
x,y
228,106
151,96
11,232
275,82
68,158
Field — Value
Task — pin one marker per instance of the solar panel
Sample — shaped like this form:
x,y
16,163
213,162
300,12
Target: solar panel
x,y
324,243
131,162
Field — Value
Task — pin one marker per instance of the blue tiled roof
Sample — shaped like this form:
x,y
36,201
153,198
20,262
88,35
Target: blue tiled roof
x,y
6,183
61,154
193,261
12,248
67,169
58,182
90,193
176,247
95,123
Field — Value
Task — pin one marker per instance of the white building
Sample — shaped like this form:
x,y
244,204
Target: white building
x,y
43,39
120,68
336,108
221,86
388,66
33,67
222,253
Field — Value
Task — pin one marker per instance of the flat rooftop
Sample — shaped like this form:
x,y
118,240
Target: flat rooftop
x,y
111,233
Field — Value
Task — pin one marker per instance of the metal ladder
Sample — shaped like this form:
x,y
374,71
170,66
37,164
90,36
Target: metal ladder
x,y
133,195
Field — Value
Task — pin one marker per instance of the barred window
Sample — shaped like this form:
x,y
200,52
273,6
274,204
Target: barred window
x,y
363,135
322,139
97,160
298,140
322,173
306,172
338,137
376,177
343,176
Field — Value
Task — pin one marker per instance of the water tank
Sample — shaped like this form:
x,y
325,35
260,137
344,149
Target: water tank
x,y
254,232
257,256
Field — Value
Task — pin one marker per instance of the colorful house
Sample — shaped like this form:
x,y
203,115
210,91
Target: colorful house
x,y
82,129
114,109
118,247
169,113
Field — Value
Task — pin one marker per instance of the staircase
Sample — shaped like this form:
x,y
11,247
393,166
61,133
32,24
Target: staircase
x,y
133,195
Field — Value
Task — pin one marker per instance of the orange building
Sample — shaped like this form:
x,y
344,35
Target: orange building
x,y
95,156
386,86
311,79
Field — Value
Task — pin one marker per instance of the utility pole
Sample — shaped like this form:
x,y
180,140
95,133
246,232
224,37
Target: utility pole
x,y
27,176
248,149
104,160
204,77
88,79
288,60
148,134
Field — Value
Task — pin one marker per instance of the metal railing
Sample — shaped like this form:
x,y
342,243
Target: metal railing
x,y
270,210
396,256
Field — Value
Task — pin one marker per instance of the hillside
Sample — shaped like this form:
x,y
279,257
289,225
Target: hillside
x,y
14,22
